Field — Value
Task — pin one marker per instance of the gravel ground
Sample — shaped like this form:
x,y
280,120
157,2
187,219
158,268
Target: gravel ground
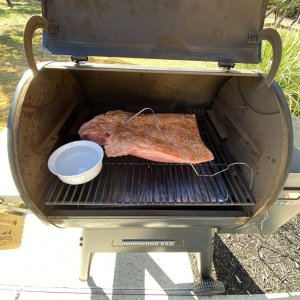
x,y
255,264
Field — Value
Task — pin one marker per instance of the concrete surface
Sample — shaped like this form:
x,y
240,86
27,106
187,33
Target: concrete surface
x,y
8,190
46,266
49,258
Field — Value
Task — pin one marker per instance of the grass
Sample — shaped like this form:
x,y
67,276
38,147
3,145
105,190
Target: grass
x,y
12,60
13,63
288,75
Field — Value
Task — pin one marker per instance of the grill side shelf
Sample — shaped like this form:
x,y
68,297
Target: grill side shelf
x,y
133,182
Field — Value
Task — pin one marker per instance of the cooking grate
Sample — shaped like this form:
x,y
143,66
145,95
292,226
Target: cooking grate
x,y
130,181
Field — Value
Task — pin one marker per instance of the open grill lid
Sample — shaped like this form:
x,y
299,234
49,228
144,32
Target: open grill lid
x,y
204,30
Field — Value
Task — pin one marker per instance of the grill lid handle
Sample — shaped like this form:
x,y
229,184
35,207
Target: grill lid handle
x,y
272,36
34,23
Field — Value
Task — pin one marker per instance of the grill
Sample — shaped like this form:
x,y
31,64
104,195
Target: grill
x,y
129,181
137,205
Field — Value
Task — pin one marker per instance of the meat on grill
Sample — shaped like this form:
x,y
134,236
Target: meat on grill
x,y
170,138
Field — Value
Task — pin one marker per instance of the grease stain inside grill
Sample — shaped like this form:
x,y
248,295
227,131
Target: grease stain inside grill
x,y
133,182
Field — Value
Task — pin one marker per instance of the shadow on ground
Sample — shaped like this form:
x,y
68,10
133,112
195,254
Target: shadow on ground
x,y
132,282
229,270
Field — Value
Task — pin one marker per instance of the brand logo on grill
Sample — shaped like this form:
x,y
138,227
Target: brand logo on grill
x,y
148,243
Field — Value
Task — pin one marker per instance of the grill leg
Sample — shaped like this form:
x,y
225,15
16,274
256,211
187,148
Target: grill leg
x,y
201,263
86,261
205,258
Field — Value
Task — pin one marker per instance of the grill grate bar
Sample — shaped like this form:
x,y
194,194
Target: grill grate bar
x,y
61,187
237,179
230,178
53,189
97,187
74,193
130,181
238,186
224,177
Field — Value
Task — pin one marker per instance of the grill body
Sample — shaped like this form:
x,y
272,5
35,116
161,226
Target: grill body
x,y
198,240
137,205
47,111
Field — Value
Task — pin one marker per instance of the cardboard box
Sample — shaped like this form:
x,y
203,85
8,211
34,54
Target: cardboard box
x,y
11,231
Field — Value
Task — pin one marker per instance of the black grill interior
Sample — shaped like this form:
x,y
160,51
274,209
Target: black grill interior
x,y
132,182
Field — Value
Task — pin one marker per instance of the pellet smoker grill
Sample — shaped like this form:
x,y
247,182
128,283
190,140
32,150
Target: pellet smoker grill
x,y
136,205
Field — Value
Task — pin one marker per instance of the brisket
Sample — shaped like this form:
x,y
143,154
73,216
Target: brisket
x,y
170,138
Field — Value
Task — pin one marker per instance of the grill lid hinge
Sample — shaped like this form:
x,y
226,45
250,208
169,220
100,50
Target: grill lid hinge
x,y
79,59
226,65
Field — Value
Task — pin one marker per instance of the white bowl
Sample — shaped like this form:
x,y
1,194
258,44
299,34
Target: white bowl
x,y
76,162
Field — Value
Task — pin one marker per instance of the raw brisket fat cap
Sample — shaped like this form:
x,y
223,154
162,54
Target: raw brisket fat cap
x,y
176,141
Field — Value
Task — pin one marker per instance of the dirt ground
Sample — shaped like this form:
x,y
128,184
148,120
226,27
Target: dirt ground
x,y
255,264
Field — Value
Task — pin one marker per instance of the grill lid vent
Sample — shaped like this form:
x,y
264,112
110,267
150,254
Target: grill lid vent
x,y
205,30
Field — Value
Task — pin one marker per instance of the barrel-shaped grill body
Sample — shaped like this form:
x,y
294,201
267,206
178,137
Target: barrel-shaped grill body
x,y
239,119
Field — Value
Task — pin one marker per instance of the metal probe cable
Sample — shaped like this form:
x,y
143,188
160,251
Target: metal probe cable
x,y
185,153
